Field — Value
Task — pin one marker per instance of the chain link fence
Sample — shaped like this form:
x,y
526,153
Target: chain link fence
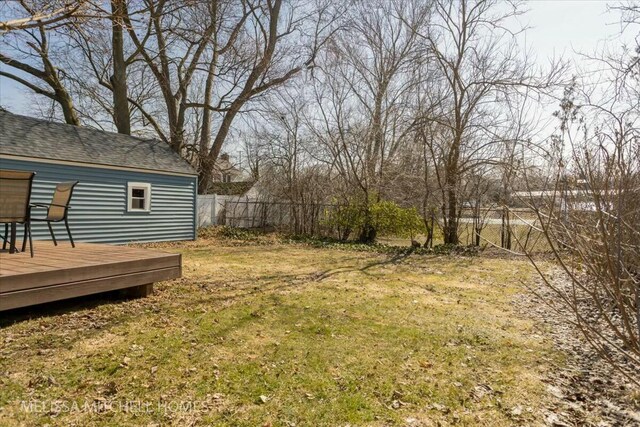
x,y
295,218
516,230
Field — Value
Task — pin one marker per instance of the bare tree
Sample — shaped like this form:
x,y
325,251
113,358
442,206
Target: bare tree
x,y
264,68
46,14
74,27
364,93
32,64
480,66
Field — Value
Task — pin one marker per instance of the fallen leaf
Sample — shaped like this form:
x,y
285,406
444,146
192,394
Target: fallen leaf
x,y
397,404
516,411
555,391
480,391
438,407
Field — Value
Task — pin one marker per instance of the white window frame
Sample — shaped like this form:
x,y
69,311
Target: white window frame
x,y
147,196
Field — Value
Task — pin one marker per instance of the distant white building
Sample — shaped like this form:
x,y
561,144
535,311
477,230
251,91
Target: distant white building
x,y
225,171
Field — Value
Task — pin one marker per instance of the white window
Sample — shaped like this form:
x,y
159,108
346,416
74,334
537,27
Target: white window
x,y
138,197
226,177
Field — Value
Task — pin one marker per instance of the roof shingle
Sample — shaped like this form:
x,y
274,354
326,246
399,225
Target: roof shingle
x,y
31,137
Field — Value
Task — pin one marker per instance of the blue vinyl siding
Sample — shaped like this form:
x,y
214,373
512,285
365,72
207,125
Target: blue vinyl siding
x,y
99,204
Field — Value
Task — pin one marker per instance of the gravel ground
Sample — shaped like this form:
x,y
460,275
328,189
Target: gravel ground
x,y
586,390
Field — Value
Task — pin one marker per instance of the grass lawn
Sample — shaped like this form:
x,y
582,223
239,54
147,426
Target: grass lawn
x,y
523,237
274,334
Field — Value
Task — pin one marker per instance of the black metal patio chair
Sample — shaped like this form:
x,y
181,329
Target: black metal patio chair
x,y
58,209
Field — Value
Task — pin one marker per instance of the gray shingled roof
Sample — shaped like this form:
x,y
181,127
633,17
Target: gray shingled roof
x,y
30,137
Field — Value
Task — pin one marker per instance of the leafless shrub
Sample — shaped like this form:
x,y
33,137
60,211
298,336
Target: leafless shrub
x,y
591,214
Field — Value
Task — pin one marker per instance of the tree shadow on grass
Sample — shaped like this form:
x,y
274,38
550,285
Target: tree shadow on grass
x,y
396,259
283,282
93,315
240,289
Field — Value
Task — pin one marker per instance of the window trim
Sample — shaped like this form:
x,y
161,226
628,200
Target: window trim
x,y
147,196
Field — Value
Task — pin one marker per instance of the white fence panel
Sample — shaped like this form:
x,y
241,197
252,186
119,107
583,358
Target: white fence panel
x,y
206,210
211,209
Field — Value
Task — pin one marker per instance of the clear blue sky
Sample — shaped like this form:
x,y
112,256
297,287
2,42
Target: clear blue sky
x,y
559,28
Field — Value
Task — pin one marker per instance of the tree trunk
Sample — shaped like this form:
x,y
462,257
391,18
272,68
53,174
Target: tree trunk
x,y
205,175
368,234
205,132
429,223
121,114
206,169
66,103
451,226
451,184
506,229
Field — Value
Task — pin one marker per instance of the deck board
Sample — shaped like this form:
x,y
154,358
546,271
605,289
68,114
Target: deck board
x,y
60,272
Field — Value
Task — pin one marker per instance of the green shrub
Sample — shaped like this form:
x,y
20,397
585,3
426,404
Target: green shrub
x,y
392,220
344,219
384,217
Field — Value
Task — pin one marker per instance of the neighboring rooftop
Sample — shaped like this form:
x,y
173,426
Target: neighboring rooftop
x,y
37,138
230,188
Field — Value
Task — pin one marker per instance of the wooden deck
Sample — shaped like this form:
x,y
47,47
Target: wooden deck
x,y
61,272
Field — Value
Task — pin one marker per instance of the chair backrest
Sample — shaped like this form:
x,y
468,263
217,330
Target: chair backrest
x,y
60,201
15,192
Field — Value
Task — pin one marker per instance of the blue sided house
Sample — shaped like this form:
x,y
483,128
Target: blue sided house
x,y
130,189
